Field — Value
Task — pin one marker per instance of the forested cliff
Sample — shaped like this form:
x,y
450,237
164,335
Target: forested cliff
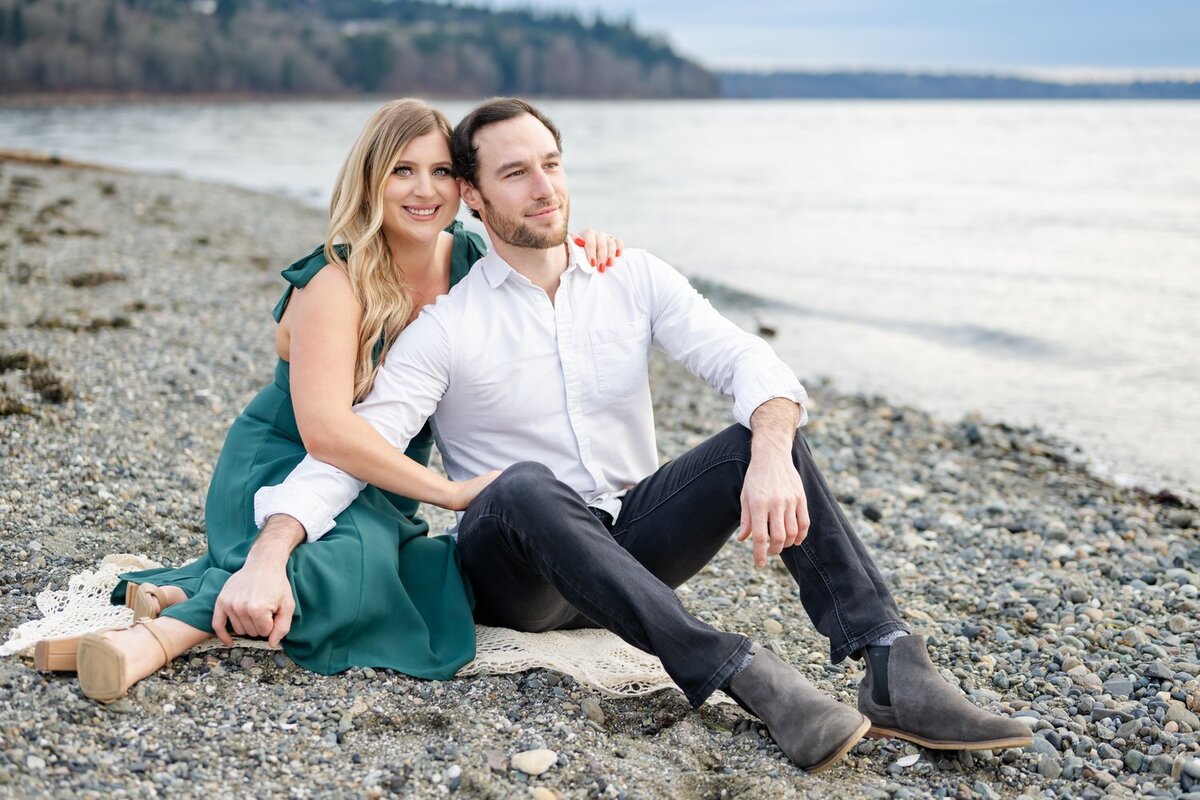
x,y
331,47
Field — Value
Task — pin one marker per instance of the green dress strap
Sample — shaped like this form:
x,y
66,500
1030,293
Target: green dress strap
x,y
468,248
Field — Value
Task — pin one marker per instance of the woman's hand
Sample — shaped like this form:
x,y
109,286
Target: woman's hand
x,y
463,492
600,248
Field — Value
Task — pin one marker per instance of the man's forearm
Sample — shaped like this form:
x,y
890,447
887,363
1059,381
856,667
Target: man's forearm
x,y
279,537
773,426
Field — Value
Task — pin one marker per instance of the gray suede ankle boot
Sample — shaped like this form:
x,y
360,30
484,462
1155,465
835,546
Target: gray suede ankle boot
x,y
926,710
811,728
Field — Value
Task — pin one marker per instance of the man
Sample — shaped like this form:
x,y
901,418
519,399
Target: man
x,y
533,366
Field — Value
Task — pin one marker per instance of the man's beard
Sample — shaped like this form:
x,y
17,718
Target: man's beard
x,y
518,233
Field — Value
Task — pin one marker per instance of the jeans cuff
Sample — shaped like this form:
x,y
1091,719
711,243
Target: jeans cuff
x,y
851,646
722,676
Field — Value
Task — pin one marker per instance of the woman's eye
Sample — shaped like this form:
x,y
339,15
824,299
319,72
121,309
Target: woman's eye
x,y
402,171
443,172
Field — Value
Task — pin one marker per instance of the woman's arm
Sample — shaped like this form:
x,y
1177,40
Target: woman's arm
x,y
323,319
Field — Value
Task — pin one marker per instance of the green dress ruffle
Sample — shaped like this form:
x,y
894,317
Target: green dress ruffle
x,y
376,591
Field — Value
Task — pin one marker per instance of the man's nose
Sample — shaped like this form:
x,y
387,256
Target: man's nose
x,y
541,185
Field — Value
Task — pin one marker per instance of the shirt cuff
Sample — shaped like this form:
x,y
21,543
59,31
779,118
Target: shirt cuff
x,y
306,509
745,403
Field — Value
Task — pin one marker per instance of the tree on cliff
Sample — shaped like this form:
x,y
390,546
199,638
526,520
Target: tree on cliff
x,y
331,46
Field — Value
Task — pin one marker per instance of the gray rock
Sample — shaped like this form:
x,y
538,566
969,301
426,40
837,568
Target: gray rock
x,y
1049,767
1178,712
1043,747
1118,687
1134,760
592,710
1161,765
1158,671
1129,729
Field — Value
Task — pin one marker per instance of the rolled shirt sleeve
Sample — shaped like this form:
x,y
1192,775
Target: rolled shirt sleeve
x,y
407,388
724,356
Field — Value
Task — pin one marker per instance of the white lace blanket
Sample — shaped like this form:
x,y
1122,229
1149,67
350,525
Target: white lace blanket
x,y
595,658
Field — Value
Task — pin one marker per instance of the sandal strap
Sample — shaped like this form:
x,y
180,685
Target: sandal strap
x,y
159,637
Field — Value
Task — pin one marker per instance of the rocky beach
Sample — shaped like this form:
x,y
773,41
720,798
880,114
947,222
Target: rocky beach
x,y
135,324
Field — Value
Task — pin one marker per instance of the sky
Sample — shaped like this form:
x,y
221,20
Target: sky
x,y
1071,37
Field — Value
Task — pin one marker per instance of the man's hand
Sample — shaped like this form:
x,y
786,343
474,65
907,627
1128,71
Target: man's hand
x,y
257,599
774,507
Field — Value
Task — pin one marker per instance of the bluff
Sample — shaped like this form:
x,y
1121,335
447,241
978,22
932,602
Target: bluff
x,y
397,47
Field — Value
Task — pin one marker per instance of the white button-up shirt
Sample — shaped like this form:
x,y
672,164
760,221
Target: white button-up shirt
x,y
509,376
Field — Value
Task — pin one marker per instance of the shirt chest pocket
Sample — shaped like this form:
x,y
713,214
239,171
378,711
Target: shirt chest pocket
x,y
619,354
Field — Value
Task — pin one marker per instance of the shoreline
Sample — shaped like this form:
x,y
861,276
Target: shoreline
x,y
135,325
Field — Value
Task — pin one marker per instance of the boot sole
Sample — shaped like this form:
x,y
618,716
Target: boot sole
x,y
844,748
877,732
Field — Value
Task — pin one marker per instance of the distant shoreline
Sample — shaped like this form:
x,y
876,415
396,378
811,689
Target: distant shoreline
x,y
886,85
735,85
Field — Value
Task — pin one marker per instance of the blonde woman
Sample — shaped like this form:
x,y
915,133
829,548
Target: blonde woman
x,y
376,590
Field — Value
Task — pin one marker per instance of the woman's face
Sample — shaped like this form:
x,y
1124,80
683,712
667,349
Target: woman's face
x,y
420,197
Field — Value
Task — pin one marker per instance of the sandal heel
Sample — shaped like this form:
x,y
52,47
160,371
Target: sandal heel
x,y
56,655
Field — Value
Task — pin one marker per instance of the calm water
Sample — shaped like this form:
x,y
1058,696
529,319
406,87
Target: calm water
x,y
1037,262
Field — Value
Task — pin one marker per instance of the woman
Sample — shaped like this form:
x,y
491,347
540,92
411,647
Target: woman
x,y
376,590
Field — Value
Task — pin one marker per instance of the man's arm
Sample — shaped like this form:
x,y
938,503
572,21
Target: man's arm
x,y
768,399
257,599
774,506
407,390
724,356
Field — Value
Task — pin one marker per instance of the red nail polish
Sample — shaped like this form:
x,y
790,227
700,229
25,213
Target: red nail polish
x,y
593,262
579,241
609,263
602,270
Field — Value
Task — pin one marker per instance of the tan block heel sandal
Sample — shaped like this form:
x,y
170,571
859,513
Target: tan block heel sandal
x,y
147,601
101,665
56,655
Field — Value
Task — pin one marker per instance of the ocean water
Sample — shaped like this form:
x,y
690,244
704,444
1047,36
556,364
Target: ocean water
x,y
1036,262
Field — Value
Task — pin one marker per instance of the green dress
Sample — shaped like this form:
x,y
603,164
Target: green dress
x,y
376,590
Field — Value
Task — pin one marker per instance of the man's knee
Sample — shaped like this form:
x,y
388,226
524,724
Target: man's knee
x,y
521,482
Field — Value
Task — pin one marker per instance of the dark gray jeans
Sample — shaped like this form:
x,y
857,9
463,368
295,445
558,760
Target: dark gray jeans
x,y
538,559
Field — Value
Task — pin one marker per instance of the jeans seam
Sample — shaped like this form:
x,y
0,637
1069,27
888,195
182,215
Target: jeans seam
x,y
837,602
719,678
684,485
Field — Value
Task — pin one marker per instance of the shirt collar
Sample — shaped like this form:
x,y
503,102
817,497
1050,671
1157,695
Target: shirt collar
x,y
497,270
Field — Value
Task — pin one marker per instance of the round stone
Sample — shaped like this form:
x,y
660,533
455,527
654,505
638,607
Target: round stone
x,y
534,762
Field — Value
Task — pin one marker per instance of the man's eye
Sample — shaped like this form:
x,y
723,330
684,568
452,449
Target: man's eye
x,y
552,165
515,173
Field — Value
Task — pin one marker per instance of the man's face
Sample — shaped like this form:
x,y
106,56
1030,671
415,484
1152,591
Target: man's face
x,y
522,187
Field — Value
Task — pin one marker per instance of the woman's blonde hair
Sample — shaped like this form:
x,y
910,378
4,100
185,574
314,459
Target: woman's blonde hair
x,y
356,220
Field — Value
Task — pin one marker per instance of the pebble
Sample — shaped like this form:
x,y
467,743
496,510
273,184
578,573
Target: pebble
x,y
1178,712
496,760
534,762
1049,768
772,627
592,710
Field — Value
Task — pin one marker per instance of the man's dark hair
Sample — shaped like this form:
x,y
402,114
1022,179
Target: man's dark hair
x,y
463,151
